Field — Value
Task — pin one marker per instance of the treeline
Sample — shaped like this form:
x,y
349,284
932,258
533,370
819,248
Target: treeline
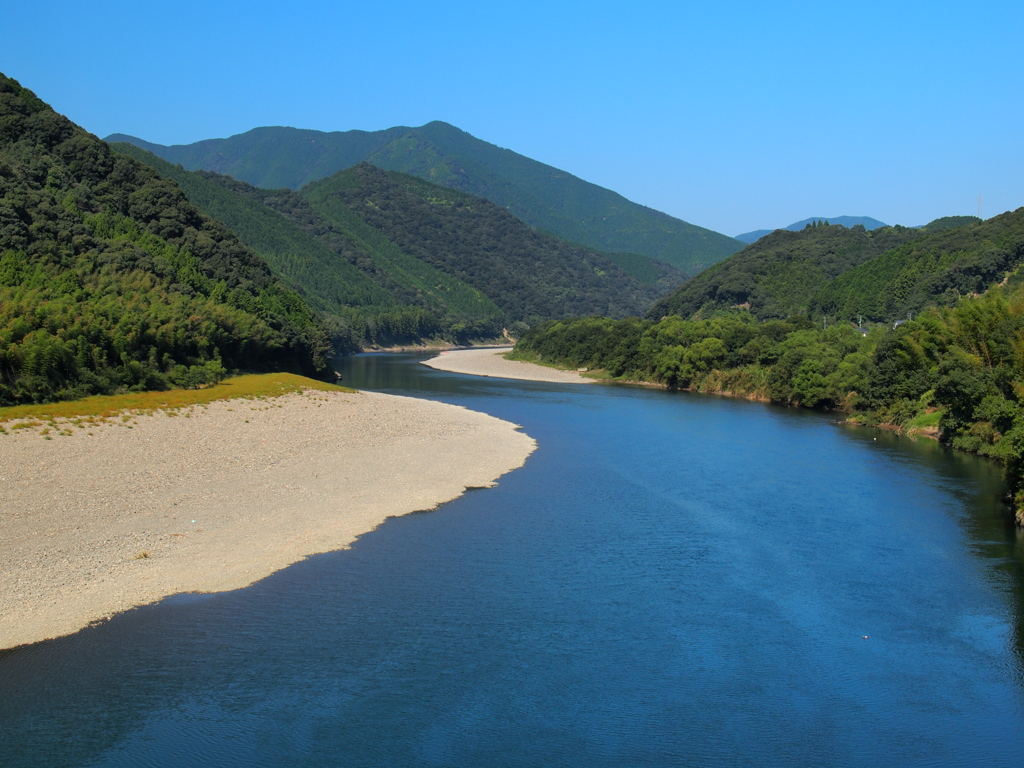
x,y
110,279
957,372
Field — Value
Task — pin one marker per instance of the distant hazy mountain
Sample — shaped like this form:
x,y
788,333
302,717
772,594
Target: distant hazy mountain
x,y
847,221
546,198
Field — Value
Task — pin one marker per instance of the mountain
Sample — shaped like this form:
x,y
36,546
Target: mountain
x,y
753,237
780,274
946,263
546,198
847,221
293,253
369,294
110,279
848,274
530,275
366,247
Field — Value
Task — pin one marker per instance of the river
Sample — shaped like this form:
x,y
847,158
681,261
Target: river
x,y
670,580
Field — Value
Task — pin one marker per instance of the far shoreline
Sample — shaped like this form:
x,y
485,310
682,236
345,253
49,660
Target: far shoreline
x,y
442,347
491,362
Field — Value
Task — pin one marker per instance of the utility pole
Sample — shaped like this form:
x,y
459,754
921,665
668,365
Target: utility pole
x,y
979,206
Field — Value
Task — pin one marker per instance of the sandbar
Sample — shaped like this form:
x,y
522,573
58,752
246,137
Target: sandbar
x,y
490,362
123,514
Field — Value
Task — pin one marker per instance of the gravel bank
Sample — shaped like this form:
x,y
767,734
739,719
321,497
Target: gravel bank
x,y
489,362
114,517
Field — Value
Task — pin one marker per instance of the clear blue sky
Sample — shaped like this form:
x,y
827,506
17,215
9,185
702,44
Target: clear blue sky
x,y
732,115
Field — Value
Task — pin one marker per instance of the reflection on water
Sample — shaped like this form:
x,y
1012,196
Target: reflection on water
x,y
670,580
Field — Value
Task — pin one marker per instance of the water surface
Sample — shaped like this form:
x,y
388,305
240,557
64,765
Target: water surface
x,y
670,580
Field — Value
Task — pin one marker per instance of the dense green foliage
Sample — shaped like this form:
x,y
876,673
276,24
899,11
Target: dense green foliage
x,y
949,222
368,290
529,275
544,197
389,258
292,252
780,274
937,268
958,370
731,352
110,279
828,271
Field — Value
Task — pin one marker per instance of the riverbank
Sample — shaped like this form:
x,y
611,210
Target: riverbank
x,y
491,362
126,512
440,347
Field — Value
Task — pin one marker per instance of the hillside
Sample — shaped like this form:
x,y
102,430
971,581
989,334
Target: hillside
x,y
948,262
290,251
780,274
529,275
544,197
110,279
847,221
368,290
435,269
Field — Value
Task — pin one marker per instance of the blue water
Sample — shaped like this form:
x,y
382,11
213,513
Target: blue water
x,y
671,580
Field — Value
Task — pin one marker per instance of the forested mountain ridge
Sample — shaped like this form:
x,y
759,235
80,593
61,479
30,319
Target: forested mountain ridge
x,y
544,197
853,274
110,279
292,252
530,275
439,263
368,291
780,274
946,263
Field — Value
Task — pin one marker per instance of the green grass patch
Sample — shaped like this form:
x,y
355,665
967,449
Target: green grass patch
x,y
925,420
250,387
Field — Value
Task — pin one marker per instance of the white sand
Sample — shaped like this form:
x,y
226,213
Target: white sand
x,y
94,524
489,362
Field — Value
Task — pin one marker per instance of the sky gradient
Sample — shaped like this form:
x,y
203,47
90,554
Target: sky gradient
x,y
734,116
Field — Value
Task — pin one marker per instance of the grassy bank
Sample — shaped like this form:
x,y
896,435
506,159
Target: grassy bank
x,y
61,417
